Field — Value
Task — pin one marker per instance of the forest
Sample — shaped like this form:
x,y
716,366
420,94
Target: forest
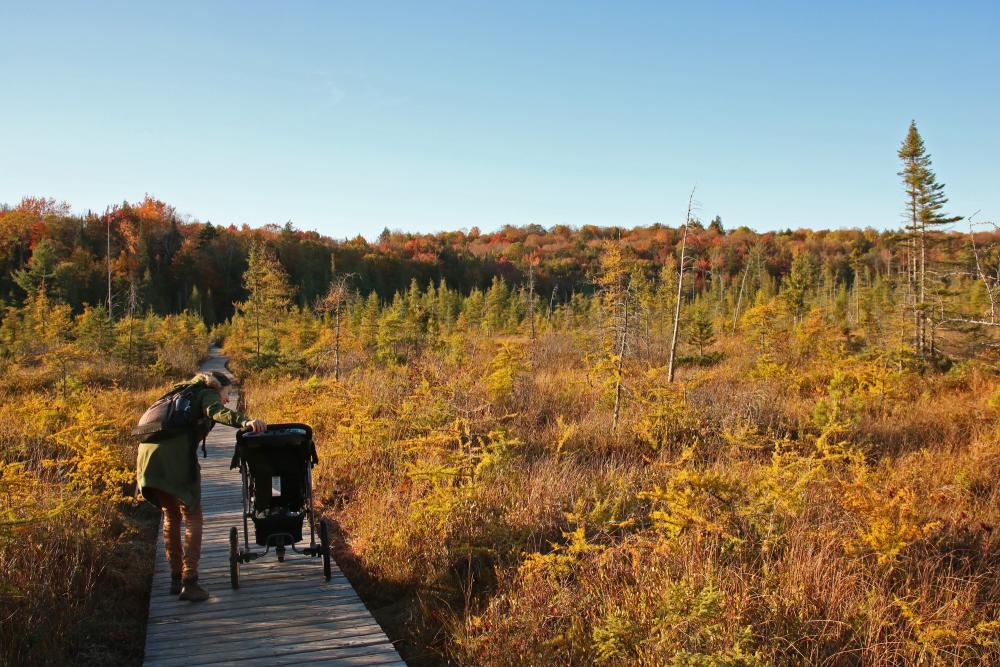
x,y
677,444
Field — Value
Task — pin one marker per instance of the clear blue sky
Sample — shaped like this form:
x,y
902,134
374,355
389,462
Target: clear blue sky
x,y
425,116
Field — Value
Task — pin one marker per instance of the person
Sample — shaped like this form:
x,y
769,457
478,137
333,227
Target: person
x,y
168,475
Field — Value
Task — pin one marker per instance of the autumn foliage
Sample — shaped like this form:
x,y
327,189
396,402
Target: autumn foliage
x,y
70,392
808,489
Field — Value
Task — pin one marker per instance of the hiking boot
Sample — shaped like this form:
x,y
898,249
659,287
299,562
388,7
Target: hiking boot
x,y
192,592
175,584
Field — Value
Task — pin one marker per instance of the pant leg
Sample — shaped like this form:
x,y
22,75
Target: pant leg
x,y
170,507
194,524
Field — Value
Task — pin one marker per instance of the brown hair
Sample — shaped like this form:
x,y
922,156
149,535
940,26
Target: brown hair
x,y
213,379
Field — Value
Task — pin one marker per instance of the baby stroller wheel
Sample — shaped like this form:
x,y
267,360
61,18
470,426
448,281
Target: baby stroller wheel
x,y
234,557
324,540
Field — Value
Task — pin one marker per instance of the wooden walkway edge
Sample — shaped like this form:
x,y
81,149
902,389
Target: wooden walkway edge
x,y
282,613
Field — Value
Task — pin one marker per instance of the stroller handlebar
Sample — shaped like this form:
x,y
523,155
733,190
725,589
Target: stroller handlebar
x,y
292,434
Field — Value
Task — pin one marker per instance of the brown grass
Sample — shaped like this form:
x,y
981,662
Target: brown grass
x,y
76,550
879,551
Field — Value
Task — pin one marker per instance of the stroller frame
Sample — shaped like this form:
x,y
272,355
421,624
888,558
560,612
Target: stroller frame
x,y
278,539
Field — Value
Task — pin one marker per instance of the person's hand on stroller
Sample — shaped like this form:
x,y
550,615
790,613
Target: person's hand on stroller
x,y
255,425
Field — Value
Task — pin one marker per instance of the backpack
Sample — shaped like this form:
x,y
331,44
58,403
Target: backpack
x,y
174,412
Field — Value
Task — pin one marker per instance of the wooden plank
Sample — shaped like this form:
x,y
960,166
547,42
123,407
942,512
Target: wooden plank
x,y
221,652
251,602
389,659
283,613
366,656
234,627
309,634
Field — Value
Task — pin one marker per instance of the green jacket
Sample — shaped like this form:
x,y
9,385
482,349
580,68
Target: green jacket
x,y
170,463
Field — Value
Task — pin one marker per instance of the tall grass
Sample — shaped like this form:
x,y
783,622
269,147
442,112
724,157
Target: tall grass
x,y
833,512
76,549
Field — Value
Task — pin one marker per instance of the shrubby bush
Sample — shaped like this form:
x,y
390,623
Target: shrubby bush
x,y
798,501
70,393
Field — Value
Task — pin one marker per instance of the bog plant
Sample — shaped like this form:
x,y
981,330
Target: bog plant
x,y
746,500
70,393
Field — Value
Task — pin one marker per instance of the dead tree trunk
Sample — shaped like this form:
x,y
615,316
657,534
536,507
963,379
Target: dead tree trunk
x,y
531,298
337,296
680,287
110,318
132,303
990,289
620,363
336,344
739,299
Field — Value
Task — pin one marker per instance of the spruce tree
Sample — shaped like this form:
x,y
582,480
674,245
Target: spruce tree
x,y
497,306
799,285
700,332
269,293
40,268
925,200
369,321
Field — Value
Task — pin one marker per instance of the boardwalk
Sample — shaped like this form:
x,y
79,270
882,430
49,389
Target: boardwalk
x,y
282,614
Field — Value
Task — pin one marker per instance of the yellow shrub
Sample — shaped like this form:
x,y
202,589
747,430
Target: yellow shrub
x,y
889,520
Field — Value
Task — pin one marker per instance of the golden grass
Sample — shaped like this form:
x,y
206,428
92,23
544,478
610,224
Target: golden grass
x,y
816,515
76,549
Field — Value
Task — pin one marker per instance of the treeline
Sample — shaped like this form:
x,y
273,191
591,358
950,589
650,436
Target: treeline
x,y
162,264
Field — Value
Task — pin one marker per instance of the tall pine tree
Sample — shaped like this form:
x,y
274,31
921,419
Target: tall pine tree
x,y
925,200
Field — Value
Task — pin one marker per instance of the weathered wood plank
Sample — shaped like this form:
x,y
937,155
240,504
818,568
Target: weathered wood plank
x,y
273,646
312,633
269,627
283,613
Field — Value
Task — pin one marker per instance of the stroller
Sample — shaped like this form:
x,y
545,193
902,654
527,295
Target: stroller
x,y
284,455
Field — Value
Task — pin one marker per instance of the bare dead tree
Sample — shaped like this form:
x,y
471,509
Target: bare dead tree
x,y
991,289
133,303
337,297
619,304
620,362
111,312
680,287
743,282
531,297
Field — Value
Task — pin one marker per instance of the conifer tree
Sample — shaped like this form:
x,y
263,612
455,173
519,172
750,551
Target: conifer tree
x,y
448,304
666,294
700,332
799,285
391,337
472,308
925,200
369,321
618,303
40,267
269,293
497,305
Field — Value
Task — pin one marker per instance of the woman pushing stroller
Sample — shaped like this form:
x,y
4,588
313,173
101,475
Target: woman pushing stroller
x,y
167,470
